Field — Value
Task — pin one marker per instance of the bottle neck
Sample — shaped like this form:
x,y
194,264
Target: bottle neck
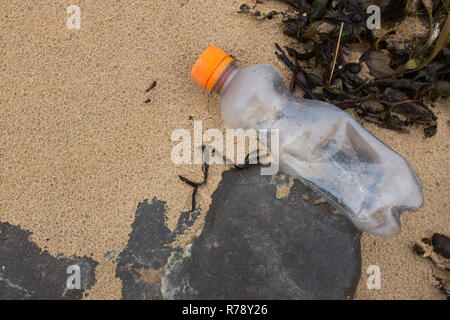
x,y
225,79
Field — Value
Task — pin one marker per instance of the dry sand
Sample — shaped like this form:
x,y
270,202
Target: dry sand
x,y
80,148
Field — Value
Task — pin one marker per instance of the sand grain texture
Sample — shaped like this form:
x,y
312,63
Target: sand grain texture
x,y
80,148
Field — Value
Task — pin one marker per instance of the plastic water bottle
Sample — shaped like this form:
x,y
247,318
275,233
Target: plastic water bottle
x,y
319,143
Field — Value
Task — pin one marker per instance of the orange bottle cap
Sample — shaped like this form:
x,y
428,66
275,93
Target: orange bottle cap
x,y
209,67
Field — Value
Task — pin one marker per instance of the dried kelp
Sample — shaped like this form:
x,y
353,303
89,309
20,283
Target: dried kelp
x,y
402,81
437,251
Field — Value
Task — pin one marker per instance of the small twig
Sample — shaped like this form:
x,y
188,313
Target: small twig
x,y
386,126
153,84
395,104
336,53
150,87
294,74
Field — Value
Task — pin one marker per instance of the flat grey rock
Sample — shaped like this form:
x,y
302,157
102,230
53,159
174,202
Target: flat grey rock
x,y
141,264
253,246
27,273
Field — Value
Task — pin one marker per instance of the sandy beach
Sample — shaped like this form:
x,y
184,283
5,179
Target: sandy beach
x,y
80,148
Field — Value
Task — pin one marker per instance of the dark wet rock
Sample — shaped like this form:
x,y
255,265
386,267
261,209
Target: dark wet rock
x,y
253,246
26,272
141,264
441,245
146,250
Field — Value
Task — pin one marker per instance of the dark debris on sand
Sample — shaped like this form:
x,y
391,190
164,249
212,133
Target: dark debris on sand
x,y
401,84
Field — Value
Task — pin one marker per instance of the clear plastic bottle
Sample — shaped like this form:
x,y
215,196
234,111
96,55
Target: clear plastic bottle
x,y
320,144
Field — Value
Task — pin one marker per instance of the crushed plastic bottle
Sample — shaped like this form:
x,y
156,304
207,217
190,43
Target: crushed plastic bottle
x,y
320,144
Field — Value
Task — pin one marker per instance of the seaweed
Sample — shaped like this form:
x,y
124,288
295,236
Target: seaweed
x,y
207,151
437,251
323,32
152,85
196,185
